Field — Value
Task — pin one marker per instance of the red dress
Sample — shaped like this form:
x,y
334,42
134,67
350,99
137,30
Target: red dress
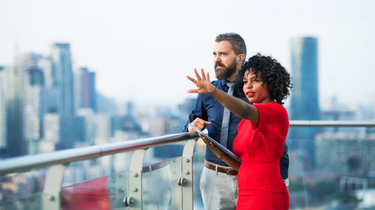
x,y
260,147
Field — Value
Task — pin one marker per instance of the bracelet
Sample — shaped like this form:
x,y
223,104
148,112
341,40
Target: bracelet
x,y
286,181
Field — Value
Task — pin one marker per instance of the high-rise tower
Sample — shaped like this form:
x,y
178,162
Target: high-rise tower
x,y
304,100
3,118
86,90
33,98
14,112
64,77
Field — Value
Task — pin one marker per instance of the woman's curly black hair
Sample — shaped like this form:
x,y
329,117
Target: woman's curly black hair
x,y
272,73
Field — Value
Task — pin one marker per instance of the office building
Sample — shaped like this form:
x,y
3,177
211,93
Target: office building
x,y
51,85
64,77
304,99
15,143
33,86
86,90
2,113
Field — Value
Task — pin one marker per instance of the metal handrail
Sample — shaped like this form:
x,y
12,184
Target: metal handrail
x,y
28,162
71,155
331,123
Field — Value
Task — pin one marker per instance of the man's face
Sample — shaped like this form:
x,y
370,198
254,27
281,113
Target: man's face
x,y
225,60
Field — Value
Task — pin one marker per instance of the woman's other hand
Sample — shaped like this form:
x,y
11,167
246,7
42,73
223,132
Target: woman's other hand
x,y
218,152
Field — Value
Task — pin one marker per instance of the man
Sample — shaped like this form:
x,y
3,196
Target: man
x,y
218,181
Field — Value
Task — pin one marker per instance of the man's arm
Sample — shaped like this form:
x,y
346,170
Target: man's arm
x,y
284,163
197,116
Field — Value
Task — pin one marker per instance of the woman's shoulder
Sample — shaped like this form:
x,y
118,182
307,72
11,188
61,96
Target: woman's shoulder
x,y
272,109
272,105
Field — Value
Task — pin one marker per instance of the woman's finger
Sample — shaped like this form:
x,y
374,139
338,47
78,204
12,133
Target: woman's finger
x,y
203,75
192,91
196,74
191,79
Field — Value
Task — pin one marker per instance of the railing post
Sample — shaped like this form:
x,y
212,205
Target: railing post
x,y
52,188
134,198
176,189
187,176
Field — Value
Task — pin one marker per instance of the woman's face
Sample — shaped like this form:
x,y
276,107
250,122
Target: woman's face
x,y
256,92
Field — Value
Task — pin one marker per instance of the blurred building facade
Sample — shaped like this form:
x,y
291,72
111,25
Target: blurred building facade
x,y
32,100
346,154
61,58
86,89
15,142
3,115
304,99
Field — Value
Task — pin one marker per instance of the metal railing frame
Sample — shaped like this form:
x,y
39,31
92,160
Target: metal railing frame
x,y
332,123
59,159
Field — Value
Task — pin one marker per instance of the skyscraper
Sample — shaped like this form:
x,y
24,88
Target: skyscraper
x,y
33,98
2,113
14,112
86,90
64,76
304,100
51,88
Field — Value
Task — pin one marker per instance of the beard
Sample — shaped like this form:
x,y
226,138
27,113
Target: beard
x,y
225,72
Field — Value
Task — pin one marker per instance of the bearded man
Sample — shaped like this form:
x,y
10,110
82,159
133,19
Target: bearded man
x,y
218,182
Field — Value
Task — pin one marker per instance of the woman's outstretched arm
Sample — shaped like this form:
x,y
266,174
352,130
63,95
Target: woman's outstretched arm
x,y
237,106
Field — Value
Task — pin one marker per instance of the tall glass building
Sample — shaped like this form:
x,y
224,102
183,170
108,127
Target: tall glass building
x,y
86,89
15,142
33,86
304,100
64,76
3,143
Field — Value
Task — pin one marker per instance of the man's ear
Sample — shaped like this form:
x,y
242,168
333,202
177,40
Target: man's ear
x,y
241,59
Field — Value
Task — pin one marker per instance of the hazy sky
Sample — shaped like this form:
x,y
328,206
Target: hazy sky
x,y
143,50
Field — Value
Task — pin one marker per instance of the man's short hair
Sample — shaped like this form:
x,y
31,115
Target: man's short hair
x,y
238,44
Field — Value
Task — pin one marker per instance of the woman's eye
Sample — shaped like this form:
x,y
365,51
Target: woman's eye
x,y
244,82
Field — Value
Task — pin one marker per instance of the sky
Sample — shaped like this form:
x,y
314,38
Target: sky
x,y
142,50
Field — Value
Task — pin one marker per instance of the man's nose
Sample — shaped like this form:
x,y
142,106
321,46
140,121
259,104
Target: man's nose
x,y
217,58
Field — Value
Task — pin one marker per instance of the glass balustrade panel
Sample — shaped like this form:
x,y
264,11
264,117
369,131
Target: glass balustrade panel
x,y
22,190
81,171
30,202
198,164
160,185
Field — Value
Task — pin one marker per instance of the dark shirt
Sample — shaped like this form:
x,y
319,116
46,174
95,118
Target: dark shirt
x,y
209,109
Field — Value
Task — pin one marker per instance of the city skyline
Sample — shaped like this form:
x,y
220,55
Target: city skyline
x,y
44,107
145,58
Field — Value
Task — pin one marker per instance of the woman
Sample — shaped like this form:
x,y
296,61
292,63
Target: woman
x,y
261,133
